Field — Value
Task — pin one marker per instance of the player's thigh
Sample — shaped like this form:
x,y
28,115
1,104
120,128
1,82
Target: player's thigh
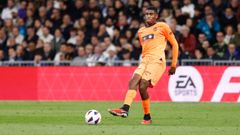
x,y
153,72
137,75
140,69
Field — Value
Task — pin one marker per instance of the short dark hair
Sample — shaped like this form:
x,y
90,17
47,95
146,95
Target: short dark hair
x,y
152,8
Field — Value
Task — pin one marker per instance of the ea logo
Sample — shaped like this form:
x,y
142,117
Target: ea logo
x,y
186,85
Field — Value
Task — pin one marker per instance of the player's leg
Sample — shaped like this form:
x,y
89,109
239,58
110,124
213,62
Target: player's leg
x,y
150,77
143,86
130,95
132,91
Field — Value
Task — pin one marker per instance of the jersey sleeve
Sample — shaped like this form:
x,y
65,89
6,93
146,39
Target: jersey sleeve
x,y
171,38
139,37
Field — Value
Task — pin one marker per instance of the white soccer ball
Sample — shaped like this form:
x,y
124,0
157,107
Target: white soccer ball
x,y
92,117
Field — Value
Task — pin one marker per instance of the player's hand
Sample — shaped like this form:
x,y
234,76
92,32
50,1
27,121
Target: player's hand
x,y
172,71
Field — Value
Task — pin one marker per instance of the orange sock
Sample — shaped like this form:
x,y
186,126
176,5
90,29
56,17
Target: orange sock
x,y
131,94
146,106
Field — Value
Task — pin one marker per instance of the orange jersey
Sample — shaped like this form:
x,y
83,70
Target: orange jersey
x,y
154,40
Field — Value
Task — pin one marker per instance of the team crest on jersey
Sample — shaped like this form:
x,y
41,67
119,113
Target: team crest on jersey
x,y
155,29
150,36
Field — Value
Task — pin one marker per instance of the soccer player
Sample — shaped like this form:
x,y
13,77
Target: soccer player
x,y
153,38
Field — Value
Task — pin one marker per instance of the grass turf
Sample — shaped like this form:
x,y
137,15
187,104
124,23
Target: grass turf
x,y
67,118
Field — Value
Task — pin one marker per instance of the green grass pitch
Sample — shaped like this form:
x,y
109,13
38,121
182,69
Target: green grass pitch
x,y
67,118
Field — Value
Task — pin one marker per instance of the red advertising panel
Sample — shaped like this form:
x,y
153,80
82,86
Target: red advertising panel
x,y
18,83
189,84
83,83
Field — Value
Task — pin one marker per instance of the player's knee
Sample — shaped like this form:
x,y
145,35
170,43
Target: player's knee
x,y
143,90
143,86
132,84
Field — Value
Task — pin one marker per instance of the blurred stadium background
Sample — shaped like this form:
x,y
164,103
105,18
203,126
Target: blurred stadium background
x,y
59,58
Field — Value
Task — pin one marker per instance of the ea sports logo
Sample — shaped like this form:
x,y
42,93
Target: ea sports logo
x,y
186,85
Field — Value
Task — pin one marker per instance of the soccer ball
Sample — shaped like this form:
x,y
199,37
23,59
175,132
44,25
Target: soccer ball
x,y
92,117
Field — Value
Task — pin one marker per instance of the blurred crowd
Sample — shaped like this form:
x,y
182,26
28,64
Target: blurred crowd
x,y
99,32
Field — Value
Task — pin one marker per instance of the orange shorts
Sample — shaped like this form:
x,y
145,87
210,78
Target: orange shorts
x,y
151,69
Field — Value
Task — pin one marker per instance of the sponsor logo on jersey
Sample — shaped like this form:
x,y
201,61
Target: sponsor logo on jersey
x,y
155,29
147,37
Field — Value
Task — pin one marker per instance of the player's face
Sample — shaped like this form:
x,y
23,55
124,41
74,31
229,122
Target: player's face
x,y
150,16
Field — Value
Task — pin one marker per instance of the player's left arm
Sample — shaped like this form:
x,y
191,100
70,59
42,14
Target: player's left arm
x,y
171,38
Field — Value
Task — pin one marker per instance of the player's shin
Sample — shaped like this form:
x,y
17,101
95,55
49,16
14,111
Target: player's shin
x,y
131,94
146,109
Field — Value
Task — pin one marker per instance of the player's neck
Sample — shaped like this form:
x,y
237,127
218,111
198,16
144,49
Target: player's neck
x,y
150,24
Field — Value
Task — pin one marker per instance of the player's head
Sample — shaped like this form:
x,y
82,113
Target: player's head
x,y
151,15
